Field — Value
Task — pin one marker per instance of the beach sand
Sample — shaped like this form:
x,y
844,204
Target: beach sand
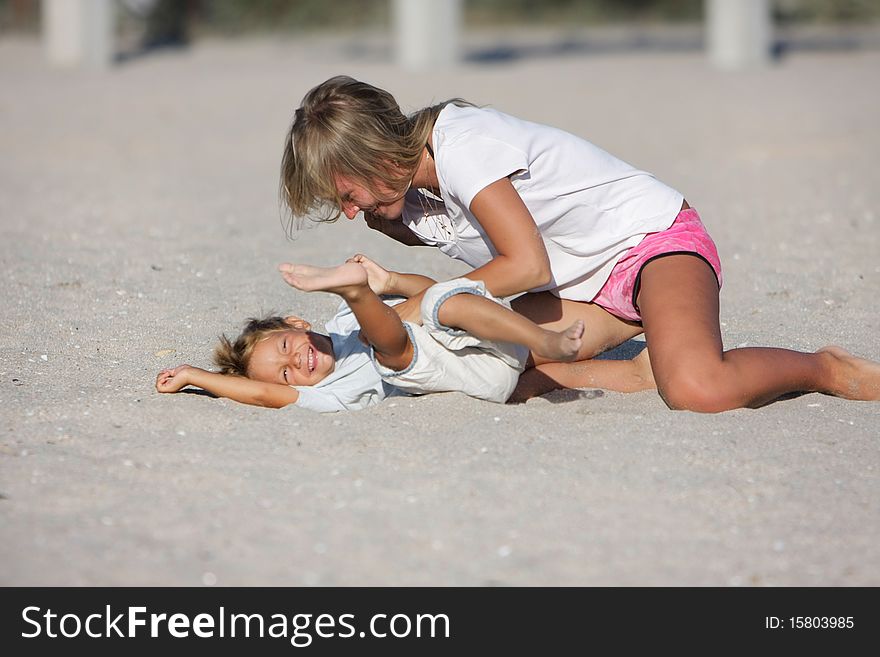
x,y
140,220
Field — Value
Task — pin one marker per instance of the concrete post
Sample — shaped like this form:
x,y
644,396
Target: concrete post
x,y
427,33
739,33
78,33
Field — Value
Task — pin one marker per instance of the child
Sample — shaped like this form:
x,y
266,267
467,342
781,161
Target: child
x,y
539,210
468,342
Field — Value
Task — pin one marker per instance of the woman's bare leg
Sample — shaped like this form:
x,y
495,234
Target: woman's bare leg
x,y
617,375
602,330
679,306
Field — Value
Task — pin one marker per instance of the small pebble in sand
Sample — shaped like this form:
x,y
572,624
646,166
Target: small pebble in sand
x,y
504,551
209,579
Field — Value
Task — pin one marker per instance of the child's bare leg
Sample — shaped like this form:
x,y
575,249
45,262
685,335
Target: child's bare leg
x,y
679,305
618,375
603,331
489,320
380,324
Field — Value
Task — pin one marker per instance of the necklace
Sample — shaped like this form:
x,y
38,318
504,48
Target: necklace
x,y
434,214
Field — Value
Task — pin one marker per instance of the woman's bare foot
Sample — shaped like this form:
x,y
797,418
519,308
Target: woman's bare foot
x,y
562,345
853,377
340,280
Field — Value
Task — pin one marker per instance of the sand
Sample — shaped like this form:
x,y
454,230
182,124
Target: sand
x,y
139,219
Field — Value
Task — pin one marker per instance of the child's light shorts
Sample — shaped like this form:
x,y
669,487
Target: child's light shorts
x,y
686,235
451,360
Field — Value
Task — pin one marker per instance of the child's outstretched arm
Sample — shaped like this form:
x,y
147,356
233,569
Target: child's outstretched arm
x,y
237,388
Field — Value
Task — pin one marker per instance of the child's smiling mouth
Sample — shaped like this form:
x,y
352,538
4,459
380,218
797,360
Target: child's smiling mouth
x,y
310,360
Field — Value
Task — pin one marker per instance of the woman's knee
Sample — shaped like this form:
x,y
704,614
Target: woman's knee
x,y
701,390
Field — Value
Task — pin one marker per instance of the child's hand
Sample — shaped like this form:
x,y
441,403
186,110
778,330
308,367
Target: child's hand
x,y
173,379
379,279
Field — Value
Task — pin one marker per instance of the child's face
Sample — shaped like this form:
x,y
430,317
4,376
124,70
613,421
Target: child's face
x,y
292,357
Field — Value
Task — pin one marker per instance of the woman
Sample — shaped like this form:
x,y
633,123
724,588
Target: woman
x,y
535,209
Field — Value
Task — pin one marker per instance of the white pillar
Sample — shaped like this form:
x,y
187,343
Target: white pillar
x,y
426,33
739,33
78,33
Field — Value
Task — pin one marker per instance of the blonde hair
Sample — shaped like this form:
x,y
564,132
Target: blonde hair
x,y
234,357
349,128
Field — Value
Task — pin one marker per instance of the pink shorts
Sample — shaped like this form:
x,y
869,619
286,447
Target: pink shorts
x,y
686,235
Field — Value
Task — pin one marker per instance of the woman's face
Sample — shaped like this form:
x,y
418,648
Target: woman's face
x,y
357,198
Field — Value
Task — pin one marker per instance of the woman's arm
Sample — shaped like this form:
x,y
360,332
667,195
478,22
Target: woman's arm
x,y
396,230
522,262
237,388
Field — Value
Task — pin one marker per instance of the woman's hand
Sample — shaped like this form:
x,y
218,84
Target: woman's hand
x,y
393,228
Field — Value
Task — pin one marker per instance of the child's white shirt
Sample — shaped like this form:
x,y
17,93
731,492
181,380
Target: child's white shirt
x,y
354,383
589,206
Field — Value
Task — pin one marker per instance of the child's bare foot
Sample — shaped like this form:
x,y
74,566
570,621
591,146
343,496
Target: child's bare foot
x,y
853,377
562,345
340,280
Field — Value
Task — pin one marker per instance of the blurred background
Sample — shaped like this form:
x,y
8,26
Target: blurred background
x,y
155,23
230,17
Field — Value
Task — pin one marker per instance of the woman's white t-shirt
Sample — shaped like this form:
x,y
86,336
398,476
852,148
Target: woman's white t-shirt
x,y
590,207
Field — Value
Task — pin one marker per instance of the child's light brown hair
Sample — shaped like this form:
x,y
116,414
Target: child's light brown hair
x,y
234,357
